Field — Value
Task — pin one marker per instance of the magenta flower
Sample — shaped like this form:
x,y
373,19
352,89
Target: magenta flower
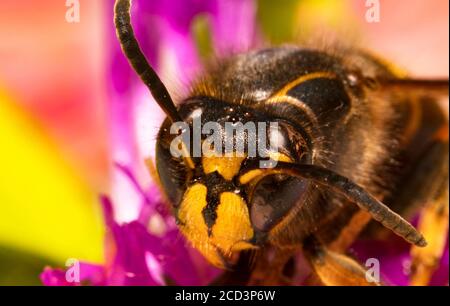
x,y
143,244
395,259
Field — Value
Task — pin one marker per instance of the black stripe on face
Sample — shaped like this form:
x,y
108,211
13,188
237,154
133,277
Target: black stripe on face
x,y
210,210
326,97
215,186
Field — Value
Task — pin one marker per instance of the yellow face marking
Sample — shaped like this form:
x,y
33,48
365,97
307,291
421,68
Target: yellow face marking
x,y
232,227
190,212
192,224
230,231
304,78
280,157
250,176
253,174
227,167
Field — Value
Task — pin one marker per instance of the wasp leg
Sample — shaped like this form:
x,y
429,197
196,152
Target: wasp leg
x,y
334,269
433,222
273,267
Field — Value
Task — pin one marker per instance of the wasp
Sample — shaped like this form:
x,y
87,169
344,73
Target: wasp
x,y
358,143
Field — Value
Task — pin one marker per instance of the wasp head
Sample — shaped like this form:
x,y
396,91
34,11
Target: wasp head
x,y
199,161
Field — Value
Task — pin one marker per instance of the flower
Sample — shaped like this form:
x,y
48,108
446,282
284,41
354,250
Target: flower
x,y
394,257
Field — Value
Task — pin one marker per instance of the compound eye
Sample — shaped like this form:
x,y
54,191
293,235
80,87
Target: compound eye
x,y
273,198
171,171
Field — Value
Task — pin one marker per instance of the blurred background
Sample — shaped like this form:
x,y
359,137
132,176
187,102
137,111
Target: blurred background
x,y
55,111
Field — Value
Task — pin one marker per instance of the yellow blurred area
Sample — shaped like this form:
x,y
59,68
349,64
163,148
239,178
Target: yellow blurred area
x,y
44,208
314,16
56,71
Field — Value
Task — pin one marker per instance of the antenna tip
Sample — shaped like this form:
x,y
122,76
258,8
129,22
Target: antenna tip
x,y
422,242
